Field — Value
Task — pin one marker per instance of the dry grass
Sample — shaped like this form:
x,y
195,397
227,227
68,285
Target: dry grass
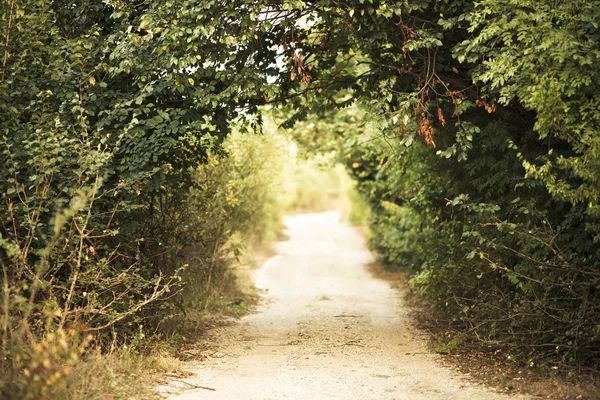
x,y
128,374
124,375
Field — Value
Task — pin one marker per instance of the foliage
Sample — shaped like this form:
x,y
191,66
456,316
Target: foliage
x,y
235,204
234,201
108,109
470,127
476,147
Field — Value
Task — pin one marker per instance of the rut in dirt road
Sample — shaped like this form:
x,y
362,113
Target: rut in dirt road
x,y
326,330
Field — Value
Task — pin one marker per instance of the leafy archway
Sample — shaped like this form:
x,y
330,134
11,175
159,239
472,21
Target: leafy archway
x,y
472,127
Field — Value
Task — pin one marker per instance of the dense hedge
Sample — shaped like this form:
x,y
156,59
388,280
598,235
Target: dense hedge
x,y
491,250
475,139
115,190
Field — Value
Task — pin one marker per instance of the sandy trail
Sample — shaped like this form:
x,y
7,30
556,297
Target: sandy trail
x,y
326,330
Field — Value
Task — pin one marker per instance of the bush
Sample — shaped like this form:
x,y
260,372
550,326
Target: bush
x,y
76,262
235,204
493,252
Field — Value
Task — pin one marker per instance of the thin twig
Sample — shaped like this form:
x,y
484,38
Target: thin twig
x,y
10,19
195,386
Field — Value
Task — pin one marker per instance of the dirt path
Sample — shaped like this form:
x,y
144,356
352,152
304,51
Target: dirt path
x,y
326,330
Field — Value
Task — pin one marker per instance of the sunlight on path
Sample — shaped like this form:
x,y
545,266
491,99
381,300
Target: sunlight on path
x,y
326,330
